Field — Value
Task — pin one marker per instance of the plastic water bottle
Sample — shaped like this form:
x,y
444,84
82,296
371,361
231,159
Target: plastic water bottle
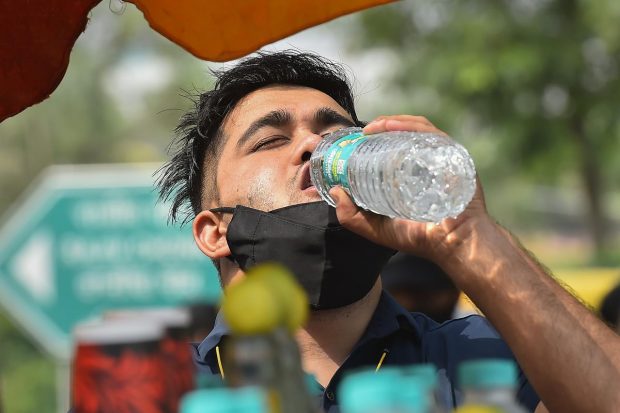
x,y
261,351
426,374
387,391
246,400
490,383
420,176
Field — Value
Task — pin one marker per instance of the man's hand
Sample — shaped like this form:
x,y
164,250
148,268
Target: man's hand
x,y
430,240
569,356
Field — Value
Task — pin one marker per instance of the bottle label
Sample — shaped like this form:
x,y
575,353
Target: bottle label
x,y
336,159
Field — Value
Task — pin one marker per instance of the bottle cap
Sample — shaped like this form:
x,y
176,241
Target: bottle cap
x,y
250,400
368,391
224,400
487,374
427,373
208,401
412,394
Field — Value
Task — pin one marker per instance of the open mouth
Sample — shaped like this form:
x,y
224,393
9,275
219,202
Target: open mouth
x,y
306,182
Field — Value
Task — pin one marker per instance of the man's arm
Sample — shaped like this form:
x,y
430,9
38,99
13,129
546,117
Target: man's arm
x,y
571,358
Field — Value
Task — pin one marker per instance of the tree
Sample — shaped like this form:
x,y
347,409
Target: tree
x,y
537,81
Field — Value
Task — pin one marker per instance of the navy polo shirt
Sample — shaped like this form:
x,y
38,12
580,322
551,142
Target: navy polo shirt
x,y
409,338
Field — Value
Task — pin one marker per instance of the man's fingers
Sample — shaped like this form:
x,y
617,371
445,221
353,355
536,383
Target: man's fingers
x,y
364,223
401,123
345,208
399,234
414,118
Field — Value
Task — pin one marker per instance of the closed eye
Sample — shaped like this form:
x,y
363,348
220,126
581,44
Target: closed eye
x,y
269,143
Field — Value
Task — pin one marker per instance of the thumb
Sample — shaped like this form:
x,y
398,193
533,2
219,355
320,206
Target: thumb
x,y
345,208
364,223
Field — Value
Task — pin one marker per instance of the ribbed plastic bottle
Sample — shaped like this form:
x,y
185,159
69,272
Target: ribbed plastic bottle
x,y
420,176
491,383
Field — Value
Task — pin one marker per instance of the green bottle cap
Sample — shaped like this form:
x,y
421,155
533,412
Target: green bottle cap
x,y
224,400
207,401
427,373
412,395
249,400
487,374
368,391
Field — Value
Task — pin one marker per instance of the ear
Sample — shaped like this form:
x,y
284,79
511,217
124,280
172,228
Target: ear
x,y
210,234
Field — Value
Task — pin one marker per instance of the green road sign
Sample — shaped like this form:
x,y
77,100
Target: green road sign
x,y
91,238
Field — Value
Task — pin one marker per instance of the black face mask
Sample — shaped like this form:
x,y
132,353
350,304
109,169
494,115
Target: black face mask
x,y
335,266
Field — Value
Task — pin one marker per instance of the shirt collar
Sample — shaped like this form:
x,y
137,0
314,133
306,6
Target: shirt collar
x,y
220,329
388,318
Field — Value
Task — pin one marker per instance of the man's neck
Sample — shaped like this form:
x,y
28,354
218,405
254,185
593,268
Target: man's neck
x,y
329,335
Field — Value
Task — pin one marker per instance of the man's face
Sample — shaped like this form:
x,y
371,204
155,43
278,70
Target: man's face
x,y
269,137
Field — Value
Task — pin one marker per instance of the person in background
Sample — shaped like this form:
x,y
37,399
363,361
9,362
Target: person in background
x,y
420,286
610,308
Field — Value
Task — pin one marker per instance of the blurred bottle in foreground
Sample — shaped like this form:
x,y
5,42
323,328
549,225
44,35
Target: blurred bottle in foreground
x,y
174,347
118,367
133,360
223,400
491,383
386,391
420,176
263,311
426,375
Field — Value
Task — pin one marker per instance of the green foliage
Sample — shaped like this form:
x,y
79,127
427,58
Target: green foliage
x,y
531,87
26,375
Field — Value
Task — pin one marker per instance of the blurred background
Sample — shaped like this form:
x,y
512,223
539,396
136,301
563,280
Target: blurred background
x,y
530,87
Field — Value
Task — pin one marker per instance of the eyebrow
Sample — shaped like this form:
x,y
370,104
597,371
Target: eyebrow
x,y
278,118
328,117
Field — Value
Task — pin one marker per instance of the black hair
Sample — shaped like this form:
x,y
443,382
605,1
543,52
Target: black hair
x,y
191,172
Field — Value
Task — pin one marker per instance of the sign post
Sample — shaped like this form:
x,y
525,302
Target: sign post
x,y
91,238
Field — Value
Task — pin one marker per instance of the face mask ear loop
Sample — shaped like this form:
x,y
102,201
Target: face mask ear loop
x,y
223,210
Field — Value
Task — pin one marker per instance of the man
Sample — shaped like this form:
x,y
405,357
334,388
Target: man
x,y
248,143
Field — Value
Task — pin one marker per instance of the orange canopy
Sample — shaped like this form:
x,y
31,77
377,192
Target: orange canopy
x,y
36,37
221,30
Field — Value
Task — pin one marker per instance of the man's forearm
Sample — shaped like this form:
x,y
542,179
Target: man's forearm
x,y
571,358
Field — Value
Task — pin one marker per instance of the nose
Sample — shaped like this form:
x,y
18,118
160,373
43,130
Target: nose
x,y
304,148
